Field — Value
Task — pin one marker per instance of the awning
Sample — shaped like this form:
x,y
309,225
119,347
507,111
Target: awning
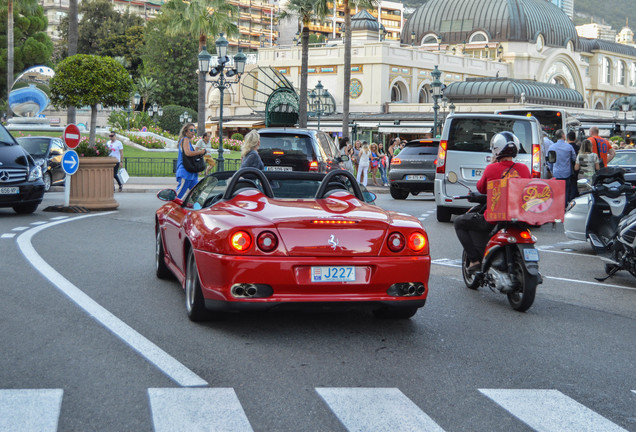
x,y
239,123
397,129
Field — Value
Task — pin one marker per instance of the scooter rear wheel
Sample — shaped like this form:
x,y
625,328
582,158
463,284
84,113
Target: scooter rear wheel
x,y
470,279
522,298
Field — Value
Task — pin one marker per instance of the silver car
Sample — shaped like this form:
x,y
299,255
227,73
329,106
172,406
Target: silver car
x,y
413,169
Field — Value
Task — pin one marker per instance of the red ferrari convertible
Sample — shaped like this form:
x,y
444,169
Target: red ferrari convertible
x,y
252,240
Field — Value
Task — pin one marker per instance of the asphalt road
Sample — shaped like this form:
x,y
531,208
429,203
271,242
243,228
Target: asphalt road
x,y
96,343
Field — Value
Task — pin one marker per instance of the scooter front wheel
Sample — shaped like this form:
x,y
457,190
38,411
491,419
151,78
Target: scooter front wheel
x,y
470,279
522,298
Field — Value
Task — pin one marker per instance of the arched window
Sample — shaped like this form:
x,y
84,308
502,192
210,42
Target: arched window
x,y
424,95
607,69
396,93
429,39
633,79
622,73
478,37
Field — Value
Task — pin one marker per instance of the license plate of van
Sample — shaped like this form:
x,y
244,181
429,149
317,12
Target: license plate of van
x,y
476,173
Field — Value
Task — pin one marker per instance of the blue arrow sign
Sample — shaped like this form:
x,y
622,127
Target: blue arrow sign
x,y
70,162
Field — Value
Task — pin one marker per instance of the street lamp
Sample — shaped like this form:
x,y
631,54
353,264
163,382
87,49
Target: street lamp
x,y
221,82
444,105
499,52
318,97
437,93
155,110
185,117
625,107
136,99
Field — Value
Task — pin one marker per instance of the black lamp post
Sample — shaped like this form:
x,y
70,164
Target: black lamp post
x,y
412,38
136,100
221,82
625,108
437,93
499,51
155,110
185,117
317,99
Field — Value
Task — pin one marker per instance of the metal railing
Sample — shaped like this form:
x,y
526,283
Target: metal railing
x,y
163,167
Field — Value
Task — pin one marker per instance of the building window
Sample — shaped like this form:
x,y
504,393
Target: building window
x,y
430,39
478,37
622,73
424,96
396,93
607,69
633,75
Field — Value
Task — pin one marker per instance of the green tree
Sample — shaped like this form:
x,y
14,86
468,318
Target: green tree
x,y
171,61
23,39
307,11
147,87
201,18
128,46
90,80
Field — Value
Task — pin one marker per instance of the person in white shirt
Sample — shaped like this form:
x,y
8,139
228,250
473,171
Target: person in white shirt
x,y
363,164
117,151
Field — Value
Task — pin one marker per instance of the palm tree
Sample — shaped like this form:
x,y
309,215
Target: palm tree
x,y
146,88
201,18
73,36
306,10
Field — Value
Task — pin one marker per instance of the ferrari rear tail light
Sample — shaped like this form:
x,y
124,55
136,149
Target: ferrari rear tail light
x,y
441,157
396,242
396,161
313,166
536,161
267,241
240,241
417,241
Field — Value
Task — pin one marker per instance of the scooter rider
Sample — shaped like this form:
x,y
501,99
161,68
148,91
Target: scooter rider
x,y
471,228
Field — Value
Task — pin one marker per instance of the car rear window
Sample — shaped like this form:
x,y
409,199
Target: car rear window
x,y
419,149
289,144
474,134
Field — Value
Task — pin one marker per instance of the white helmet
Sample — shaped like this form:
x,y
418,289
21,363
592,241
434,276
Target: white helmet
x,y
504,144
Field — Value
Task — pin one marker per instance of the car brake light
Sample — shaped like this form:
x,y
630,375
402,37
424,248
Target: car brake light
x,y
441,157
278,153
313,166
396,242
396,161
417,241
240,241
267,241
536,161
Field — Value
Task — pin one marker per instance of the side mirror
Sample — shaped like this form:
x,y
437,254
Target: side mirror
x,y
551,156
167,195
56,152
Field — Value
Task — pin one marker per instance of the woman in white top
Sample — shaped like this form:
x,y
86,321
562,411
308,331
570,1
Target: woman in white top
x,y
587,163
363,164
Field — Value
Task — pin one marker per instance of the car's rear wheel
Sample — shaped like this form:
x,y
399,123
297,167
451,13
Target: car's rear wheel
x,y
388,312
25,208
46,178
195,305
399,194
162,270
444,214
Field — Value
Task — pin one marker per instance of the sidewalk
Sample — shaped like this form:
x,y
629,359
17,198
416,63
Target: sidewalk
x,y
155,184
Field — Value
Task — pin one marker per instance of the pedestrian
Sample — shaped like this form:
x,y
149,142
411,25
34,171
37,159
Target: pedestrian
x,y
561,169
601,147
374,162
249,152
356,154
117,151
571,137
587,163
363,164
395,142
204,143
347,150
186,180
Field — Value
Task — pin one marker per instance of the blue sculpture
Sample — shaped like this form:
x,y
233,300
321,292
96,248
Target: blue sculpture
x,y
29,94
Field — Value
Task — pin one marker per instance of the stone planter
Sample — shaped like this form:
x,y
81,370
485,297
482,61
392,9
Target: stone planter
x,y
92,184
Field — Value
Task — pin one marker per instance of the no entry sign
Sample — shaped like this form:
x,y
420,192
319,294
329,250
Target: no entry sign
x,y
71,136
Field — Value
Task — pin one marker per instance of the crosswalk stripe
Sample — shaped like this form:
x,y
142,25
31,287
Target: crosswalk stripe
x,y
30,410
550,411
197,410
376,410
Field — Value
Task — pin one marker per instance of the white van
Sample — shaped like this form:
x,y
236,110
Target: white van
x,y
465,150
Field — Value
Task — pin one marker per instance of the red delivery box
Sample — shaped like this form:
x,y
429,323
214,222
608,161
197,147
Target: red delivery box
x,y
533,201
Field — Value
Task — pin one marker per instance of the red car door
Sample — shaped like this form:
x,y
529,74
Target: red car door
x,y
174,235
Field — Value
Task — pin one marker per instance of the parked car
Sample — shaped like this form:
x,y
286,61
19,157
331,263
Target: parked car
x,y
465,150
21,185
47,153
413,169
294,149
277,239
626,159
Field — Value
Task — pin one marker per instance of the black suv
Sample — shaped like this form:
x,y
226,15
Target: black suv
x,y
21,185
47,152
292,149
413,168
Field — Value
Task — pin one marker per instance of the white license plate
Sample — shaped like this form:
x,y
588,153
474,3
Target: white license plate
x,y
531,255
333,274
9,190
416,177
278,168
476,173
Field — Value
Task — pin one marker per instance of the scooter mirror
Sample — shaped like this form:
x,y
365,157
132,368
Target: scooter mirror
x,y
451,177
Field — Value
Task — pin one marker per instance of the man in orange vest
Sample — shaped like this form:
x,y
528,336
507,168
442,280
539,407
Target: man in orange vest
x,y
602,147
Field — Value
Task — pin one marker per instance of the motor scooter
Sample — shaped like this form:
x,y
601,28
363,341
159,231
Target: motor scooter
x,y
605,215
510,263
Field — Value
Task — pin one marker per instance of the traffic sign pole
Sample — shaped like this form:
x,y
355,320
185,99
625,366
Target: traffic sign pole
x,y
67,191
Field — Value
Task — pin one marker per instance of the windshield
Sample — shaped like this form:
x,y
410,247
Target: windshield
x,y
474,134
5,136
414,150
624,159
37,147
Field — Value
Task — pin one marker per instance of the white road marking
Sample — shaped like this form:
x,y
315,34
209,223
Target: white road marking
x,y
377,409
36,410
561,244
447,262
197,410
8,235
39,223
550,411
19,228
59,218
151,352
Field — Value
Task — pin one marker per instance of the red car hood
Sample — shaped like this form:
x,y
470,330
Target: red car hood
x,y
339,225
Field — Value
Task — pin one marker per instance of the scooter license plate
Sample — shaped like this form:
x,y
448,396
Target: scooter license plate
x,y
531,255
